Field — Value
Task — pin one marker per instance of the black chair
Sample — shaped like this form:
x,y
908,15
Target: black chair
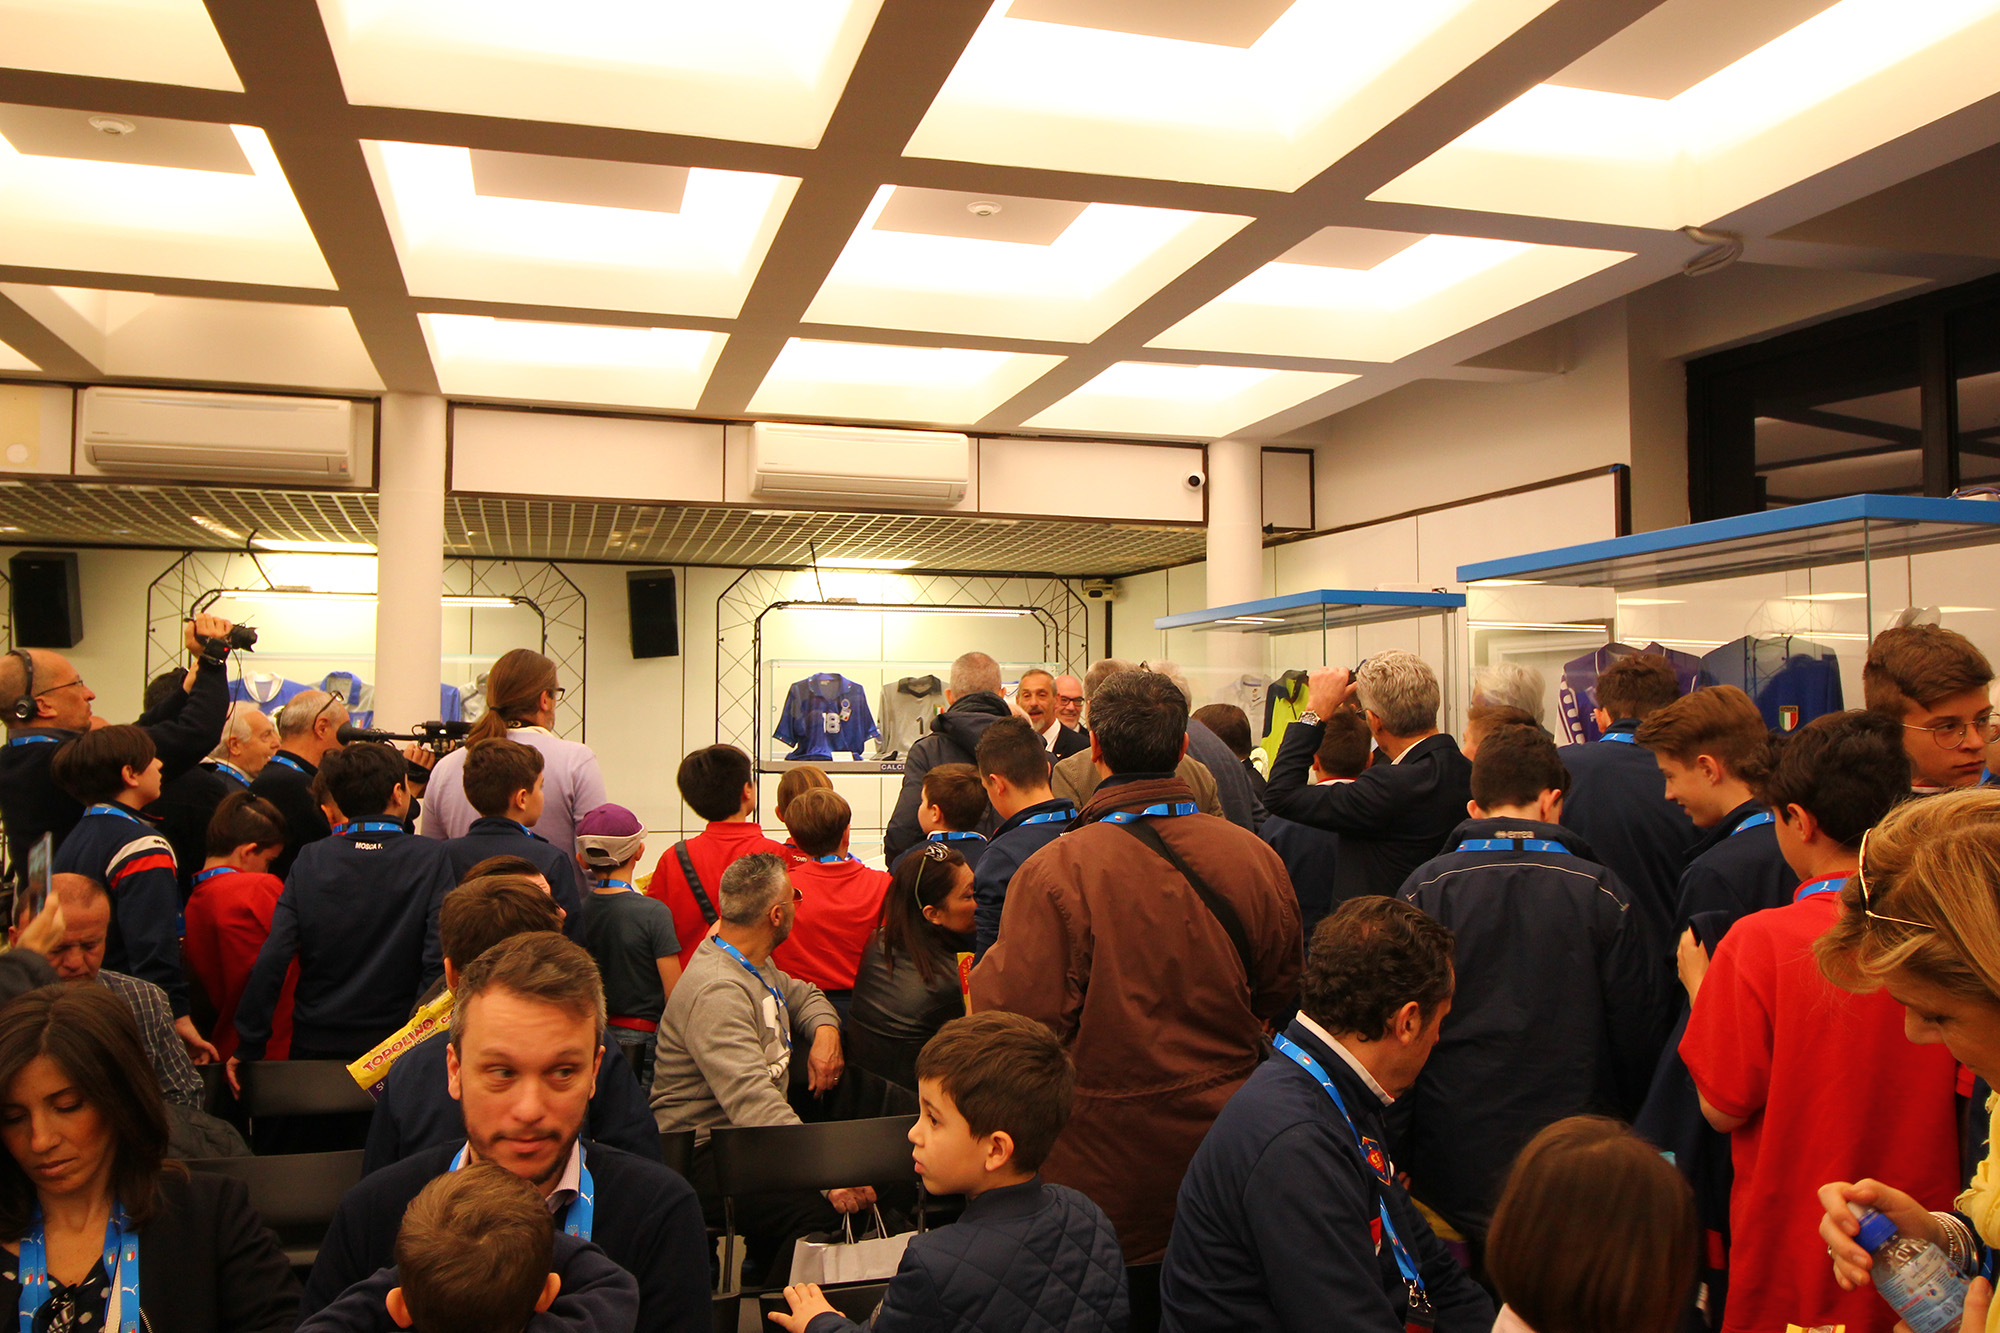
x,y
214,1088
301,1087
856,1300
1142,1285
772,1159
296,1195
677,1151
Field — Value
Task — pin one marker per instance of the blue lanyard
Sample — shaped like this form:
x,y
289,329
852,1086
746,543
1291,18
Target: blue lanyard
x,y
1755,821
942,836
224,766
290,763
35,740
1512,845
1824,884
121,1268
784,1010
617,884
368,826
1162,809
1371,1153
206,875
1050,817
122,811
582,1212
832,858
1619,738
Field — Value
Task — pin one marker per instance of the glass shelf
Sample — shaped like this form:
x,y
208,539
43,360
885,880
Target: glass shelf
x,y
1326,608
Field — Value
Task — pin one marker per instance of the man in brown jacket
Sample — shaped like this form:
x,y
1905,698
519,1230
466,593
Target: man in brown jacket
x,y
1161,979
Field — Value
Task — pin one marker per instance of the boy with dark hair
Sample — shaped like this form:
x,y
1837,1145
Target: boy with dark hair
x,y
359,912
112,772
1615,800
1231,726
717,784
1938,686
414,1109
1014,772
503,782
841,899
229,916
1773,1046
995,1090
951,810
1561,1002
1310,853
630,935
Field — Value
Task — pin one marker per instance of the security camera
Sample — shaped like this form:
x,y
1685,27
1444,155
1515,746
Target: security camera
x,y
1100,590
1195,481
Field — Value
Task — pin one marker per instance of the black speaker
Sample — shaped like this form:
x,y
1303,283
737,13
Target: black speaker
x,y
656,628
47,603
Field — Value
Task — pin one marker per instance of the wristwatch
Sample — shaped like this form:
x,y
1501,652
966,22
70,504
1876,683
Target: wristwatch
x,y
1309,717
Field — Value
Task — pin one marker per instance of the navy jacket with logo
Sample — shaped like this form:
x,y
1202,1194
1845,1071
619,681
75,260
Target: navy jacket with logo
x,y
1617,802
135,864
360,913
495,836
1014,842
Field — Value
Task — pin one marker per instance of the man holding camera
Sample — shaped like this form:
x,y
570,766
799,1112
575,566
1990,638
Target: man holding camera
x,y
45,702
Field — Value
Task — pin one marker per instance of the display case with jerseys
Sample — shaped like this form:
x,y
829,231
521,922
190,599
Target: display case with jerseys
x,y
856,716
1781,604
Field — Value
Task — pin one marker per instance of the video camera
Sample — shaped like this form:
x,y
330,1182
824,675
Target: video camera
x,y
440,738
241,638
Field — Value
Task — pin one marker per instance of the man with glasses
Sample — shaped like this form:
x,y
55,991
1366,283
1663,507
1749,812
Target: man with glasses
x,y
45,702
1069,702
308,729
1934,682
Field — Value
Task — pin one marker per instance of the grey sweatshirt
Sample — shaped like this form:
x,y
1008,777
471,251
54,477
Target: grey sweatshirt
x,y
723,1057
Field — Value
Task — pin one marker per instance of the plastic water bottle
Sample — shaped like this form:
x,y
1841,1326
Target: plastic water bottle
x,y
1917,1278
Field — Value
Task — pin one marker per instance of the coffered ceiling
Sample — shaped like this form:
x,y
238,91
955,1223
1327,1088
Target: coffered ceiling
x,y
1181,218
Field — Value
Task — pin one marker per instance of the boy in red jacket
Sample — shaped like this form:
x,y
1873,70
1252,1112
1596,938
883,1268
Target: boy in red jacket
x,y
229,915
840,898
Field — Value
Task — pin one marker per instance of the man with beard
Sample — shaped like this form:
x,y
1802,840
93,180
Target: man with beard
x,y
1036,697
525,1047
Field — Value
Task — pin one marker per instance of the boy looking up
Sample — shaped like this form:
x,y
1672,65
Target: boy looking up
x,y
112,772
503,782
952,809
359,912
1774,1046
1938,686
717,784
1014,771
629,934
995,1091
840,898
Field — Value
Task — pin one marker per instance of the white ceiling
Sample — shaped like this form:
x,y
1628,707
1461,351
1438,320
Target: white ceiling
x,y
1173,218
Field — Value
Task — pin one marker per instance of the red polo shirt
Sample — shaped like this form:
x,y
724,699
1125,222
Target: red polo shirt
x,y
713,851
228,919
1829,1089
840,910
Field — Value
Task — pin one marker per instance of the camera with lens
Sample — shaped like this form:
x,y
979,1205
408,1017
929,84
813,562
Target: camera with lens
x,y
241,638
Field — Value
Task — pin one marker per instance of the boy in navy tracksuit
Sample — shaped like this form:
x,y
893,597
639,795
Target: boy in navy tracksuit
x,y
1712,747
995,1091
360,913
1014,769
503,782
112,772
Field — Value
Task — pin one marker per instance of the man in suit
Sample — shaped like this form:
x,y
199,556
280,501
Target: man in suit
x,y
1035,696
1397,814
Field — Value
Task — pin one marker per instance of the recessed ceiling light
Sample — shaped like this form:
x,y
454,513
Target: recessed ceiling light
x,y
112,125
219,529
1651,601
1963,610
983,208
314,548
12,529
1827,597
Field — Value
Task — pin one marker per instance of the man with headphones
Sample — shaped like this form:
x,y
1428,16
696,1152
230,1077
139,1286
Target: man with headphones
x,y
45,702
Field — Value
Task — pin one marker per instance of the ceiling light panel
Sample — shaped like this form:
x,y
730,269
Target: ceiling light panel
x,y
1319,80
164,221
148,41
1089,274
1155,398
143,336
1845,78
873,381
765,72
459,243
1423,293
479,357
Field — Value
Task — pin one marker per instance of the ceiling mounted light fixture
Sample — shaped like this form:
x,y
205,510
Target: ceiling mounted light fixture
x,y
112,125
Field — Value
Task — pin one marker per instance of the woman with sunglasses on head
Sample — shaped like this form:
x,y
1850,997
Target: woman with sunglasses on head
x,y
100,1232
1921,920
909,984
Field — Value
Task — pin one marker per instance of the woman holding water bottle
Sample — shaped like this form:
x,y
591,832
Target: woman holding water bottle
x,y
1922,921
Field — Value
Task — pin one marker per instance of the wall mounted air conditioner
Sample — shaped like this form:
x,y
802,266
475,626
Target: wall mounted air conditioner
x,y
217,436
859,465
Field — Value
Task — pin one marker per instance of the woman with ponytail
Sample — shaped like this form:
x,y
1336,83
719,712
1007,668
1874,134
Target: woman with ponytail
x,y
522,691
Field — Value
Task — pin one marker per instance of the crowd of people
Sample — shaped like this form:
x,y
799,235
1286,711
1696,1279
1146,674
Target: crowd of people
x,y
1475,1033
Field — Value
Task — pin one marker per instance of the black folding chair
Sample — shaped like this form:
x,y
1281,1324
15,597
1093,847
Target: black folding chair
x,y
299,1106
677,1151
295,1194
835,1154
1142,1286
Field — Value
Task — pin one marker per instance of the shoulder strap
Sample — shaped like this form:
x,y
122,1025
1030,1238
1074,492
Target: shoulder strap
x,y
708,912
1225,915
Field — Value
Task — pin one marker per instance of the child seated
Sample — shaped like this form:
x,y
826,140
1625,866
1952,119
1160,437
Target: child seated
x,y
503,782
478,1253
995,1090
840,898
952,809
630,935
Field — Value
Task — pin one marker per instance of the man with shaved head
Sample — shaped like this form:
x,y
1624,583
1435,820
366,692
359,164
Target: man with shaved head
x,y
973,694
308,727
1069,702
187,803
1035,696
45,702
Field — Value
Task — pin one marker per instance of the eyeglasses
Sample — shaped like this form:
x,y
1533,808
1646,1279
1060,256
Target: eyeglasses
x,y
557,694
1951,735
66,685
331,700
1069,699
1867,899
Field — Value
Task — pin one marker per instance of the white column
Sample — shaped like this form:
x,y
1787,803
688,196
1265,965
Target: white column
x,y
1235,544
409,630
